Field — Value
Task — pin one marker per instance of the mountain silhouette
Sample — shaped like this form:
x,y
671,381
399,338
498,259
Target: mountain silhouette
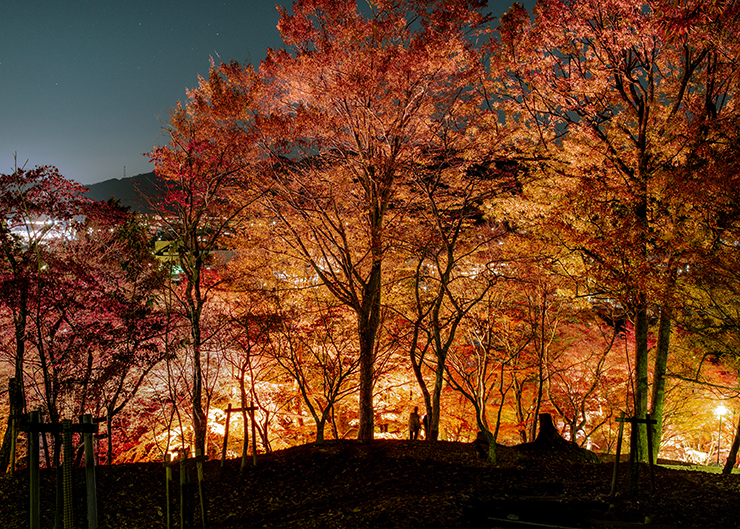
x,y
135,192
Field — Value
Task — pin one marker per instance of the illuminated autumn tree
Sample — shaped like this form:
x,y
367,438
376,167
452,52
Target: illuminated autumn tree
x,y
479,367
88,297
206,170
536,302
248,338
613,99
135,326
713,313
585,383
451,272
315,347
356,102
34,203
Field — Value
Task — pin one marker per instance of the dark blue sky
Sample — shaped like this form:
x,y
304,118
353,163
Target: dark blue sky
x,y
87,85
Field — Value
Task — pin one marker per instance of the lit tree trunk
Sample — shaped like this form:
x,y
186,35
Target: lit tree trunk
x,y
416,363
244,404
540,345
661,361
433,433
661,364
194,309
642,226
418,353
199,418
521,416
732,456
368,317
109,433
17,399
16,389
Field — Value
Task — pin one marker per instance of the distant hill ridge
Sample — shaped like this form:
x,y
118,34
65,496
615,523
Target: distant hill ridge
x,y
128,191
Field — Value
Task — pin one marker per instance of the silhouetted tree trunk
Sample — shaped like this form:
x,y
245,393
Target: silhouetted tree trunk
x,y
550,444
548,434
732,456
17,399
659,372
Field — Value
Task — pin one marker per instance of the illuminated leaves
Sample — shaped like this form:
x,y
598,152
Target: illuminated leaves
x,y
357,104
616,109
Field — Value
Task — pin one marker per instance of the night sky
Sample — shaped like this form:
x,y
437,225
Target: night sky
x,y
87,85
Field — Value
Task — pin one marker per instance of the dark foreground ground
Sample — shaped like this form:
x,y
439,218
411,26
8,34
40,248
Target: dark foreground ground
x,y
397,484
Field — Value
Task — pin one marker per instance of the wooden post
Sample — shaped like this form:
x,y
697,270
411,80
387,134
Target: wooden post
x,y
33,468
634,462
186,493
182,491
90,478
619,454
229,411
649,427
168,487
13,425
67,474
226,434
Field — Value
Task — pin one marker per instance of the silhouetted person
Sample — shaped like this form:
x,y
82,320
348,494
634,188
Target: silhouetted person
x,y
414,424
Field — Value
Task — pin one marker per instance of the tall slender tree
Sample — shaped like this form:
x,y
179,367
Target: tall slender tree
x,y
206,169
32,203
360,100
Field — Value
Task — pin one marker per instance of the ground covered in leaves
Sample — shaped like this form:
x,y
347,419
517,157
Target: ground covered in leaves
x,y
399,484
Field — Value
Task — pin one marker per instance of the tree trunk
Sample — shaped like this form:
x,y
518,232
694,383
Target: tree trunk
x,y
540,345
416,363
641,376
661,364
732,456
368,316
433,420
109,431
485,441
194,307
366,431
551,445
16,393
519,408
244,404
17,400
491,450
320,427
199,418
548,434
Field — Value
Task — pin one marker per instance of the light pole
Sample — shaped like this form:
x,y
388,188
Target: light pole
x,y
720,411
